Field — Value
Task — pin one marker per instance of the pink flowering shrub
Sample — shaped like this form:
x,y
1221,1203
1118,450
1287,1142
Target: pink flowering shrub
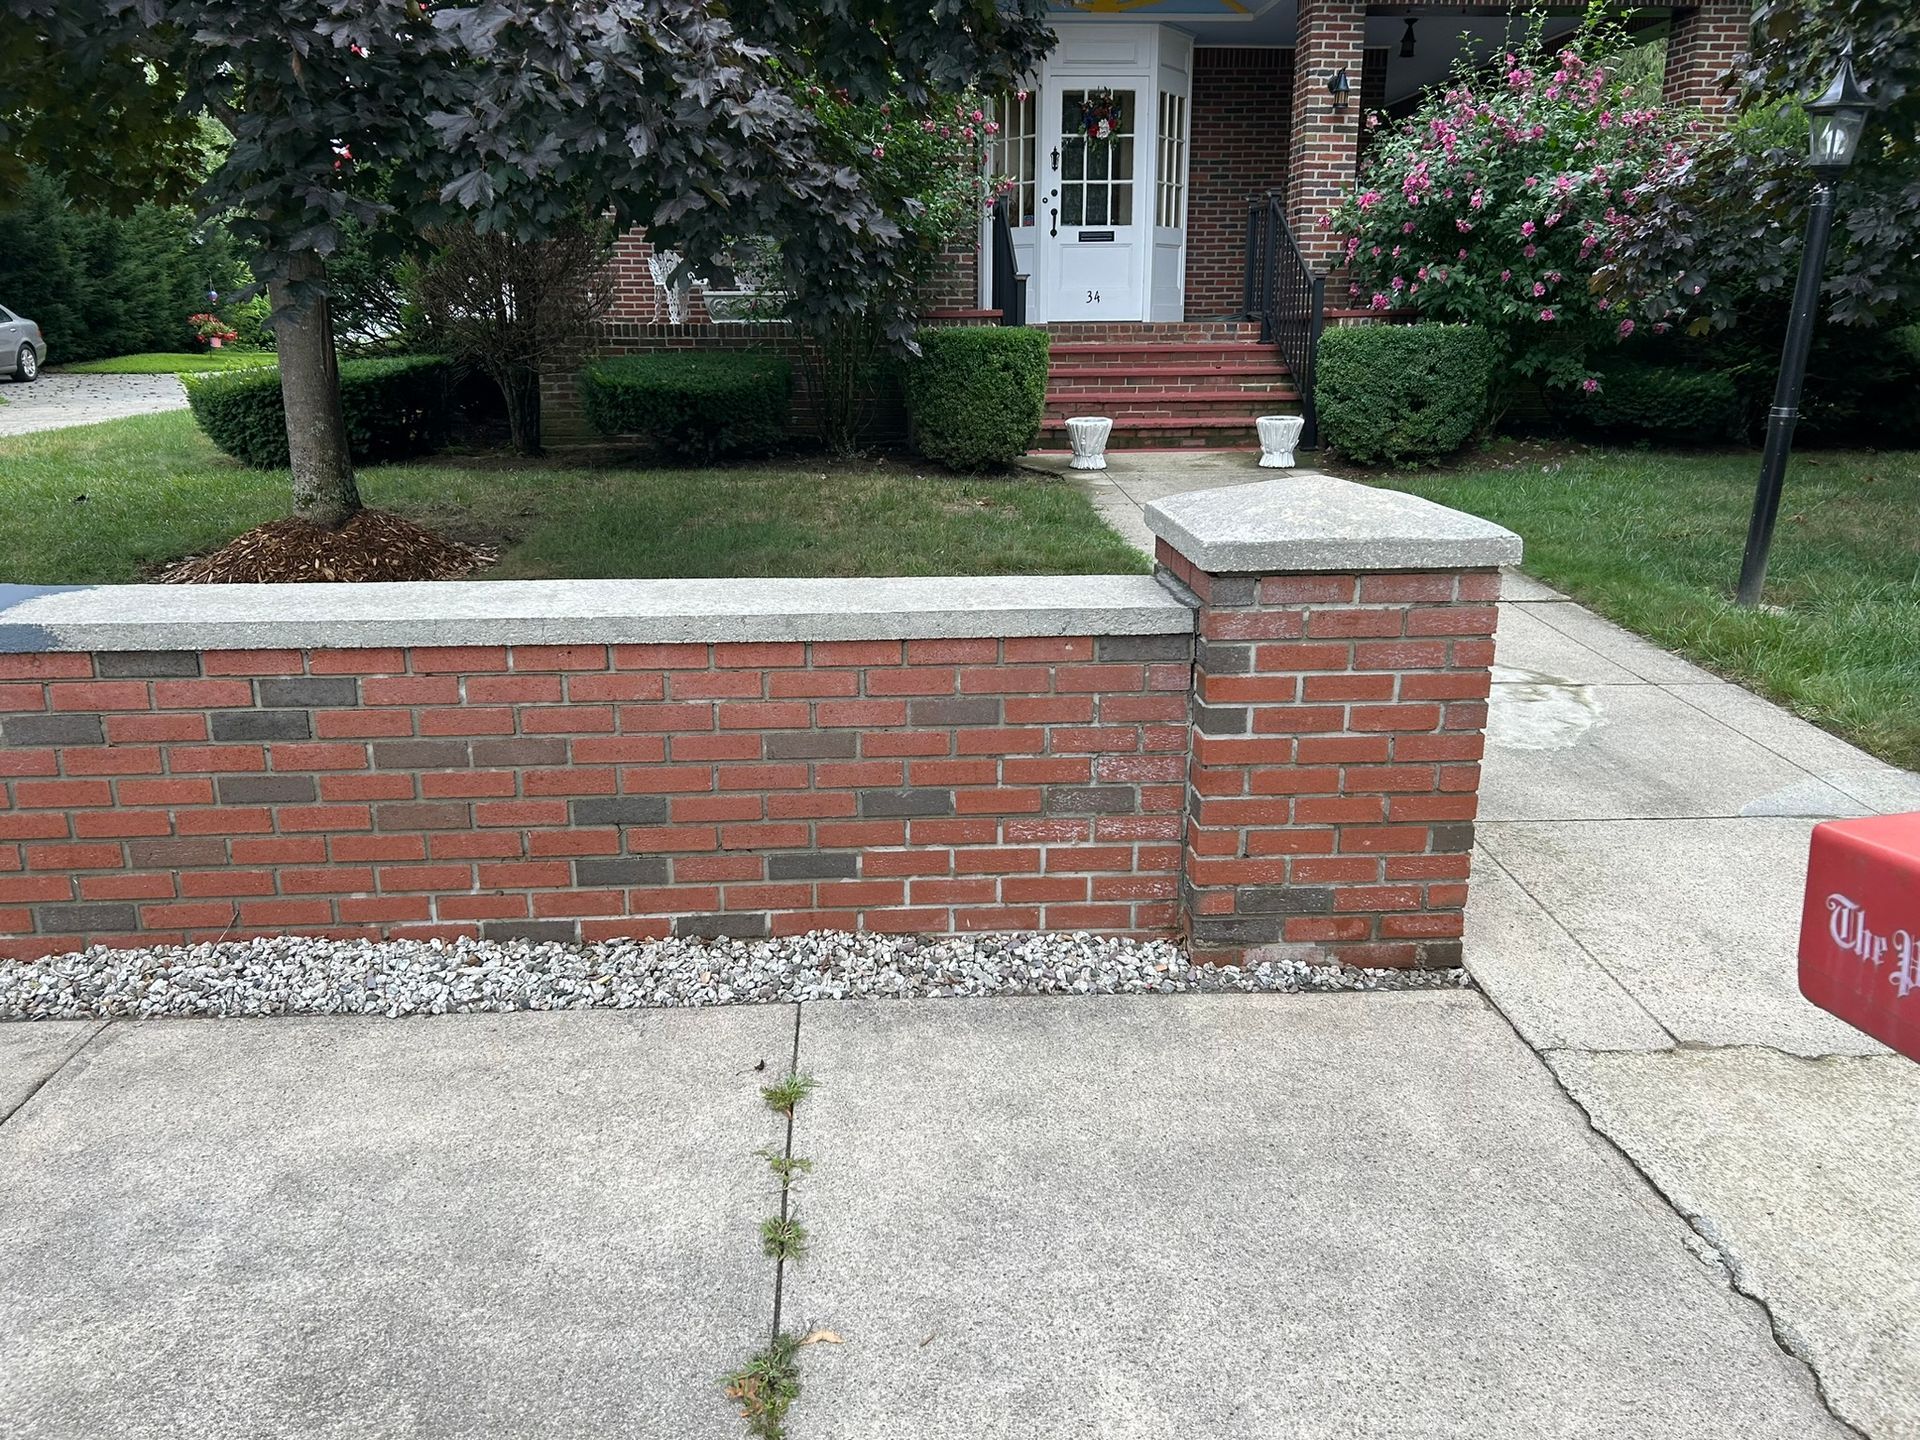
x,y
1494,204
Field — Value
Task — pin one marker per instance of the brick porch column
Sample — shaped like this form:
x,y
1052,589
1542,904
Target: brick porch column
x,y
1325,146
1706,42
1340,683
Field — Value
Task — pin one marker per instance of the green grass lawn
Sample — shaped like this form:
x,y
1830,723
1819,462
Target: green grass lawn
x,y
198,362
109,503
1653,541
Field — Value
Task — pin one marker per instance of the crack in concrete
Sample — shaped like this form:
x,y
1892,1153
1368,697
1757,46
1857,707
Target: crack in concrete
x,y
55,1073
1739,1277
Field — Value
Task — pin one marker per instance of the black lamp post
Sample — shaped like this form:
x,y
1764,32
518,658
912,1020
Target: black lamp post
x,y
1837,118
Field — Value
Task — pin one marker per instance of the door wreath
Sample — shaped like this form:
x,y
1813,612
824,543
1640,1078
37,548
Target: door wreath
x,y
1100,114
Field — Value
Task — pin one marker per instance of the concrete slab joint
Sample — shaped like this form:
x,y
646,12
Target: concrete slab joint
x,y
1338,715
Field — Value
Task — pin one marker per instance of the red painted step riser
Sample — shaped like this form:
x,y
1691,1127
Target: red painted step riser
x,y
1201,392
1165,354
1123,414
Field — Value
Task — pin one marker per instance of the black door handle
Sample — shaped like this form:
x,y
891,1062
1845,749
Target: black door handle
x,y
1053,223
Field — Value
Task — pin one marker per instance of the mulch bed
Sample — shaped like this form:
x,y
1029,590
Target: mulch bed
x,y
374,545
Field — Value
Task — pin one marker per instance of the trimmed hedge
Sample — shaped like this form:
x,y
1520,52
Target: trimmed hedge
x,y
692,404
977,394
395,409
1637,400
1401,394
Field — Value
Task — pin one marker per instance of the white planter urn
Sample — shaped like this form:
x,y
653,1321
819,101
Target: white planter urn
x,y
1278,435
1088,436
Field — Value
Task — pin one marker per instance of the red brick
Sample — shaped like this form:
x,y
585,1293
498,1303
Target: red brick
x,y
857,652
217,759
46,667
99,695
253,662
462,659
412,690
356,662
128,729
588,689
1307,589
660,657
559,657
113,760
202,694
759,655
1048,649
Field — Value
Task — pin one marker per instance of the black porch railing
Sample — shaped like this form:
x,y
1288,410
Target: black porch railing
x,y
1009,286
1281,291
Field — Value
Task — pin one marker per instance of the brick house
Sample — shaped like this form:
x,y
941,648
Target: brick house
x,y
1136,250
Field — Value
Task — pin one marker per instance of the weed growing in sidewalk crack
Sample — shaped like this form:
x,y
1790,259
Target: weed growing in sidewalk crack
x,y
766,1386
787,1167
782,1098
783,1237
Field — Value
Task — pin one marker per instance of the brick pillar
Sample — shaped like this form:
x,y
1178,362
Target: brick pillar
x,y
1705,43
1340,686
1325,146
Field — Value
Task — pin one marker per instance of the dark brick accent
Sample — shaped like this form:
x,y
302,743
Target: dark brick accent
x,y
733,927
813,745
1441,954
146,664
1285,900
814,865
1091,800
428,815
1211,931
85,919
309,692
1221,719
965,710
623,870
622,810
535,931
1452,839
266,789
53,730
175,854
1218,659
1143,647
420,755
511,754
261,725
883,803
1233,590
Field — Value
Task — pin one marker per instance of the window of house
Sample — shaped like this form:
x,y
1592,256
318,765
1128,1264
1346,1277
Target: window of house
x,y
1096,157
1012,154
1170,189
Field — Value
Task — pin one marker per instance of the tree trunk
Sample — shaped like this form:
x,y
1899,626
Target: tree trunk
x,y
520,384
323,488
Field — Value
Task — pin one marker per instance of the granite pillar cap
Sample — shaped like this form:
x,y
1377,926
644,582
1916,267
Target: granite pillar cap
x,y
1318,523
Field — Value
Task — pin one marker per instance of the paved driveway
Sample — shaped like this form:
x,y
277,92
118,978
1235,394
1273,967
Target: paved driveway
x,y
56,401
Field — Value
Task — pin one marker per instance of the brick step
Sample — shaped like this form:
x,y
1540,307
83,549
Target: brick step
x,y
1218,371
1165,353
1191,386
1080,332
1117,404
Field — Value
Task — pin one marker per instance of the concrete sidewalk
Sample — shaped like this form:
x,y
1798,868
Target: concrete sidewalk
x,y
1312,1216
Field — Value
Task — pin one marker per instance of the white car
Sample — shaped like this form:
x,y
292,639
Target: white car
x,y
23,349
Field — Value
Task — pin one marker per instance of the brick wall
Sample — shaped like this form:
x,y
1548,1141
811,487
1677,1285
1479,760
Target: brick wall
x,y
1706,43
592,791
1337,735
1242,98
1324,142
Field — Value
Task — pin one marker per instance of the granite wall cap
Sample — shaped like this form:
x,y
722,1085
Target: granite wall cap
x,y
1314,523
577,612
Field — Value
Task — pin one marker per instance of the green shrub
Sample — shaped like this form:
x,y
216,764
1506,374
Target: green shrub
x,y
394,409
1402,393
977,394
1637,400
692,404
252,322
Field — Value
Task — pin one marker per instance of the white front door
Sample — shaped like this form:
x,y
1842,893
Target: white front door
x,y
1095,224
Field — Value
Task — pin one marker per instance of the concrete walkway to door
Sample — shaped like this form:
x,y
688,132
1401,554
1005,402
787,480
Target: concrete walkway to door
x,y
1635,1188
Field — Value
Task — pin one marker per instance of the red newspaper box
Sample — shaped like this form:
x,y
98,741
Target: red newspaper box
x,y
1860,928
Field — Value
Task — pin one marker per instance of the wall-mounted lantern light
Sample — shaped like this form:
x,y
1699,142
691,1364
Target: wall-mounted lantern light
x,y
1406,40
1339,86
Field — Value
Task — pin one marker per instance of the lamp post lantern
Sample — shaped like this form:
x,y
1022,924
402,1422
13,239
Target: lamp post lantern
x,y
1837,119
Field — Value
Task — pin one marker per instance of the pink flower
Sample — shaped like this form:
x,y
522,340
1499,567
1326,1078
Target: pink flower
x,y
1538,289
1530,251
1546,315
1590,385
1399,283
1369,200
1527,228
1461,256
1553,277
1478,199
1465,227
1660,327
879,152
977,116
1532,180
1421,273
1020,95
1626,328
1379,302
1407,229
1506,274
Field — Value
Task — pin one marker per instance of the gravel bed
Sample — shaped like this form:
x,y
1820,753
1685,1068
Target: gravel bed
x,y
300,976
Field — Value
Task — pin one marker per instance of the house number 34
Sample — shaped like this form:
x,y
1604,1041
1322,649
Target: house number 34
x,y
1093,297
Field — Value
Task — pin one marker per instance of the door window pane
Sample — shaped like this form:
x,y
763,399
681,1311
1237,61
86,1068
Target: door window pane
x,y
1096,130
1012,154
1170,190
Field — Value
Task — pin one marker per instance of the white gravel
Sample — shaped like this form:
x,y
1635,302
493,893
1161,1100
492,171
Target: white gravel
x,y
300,976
